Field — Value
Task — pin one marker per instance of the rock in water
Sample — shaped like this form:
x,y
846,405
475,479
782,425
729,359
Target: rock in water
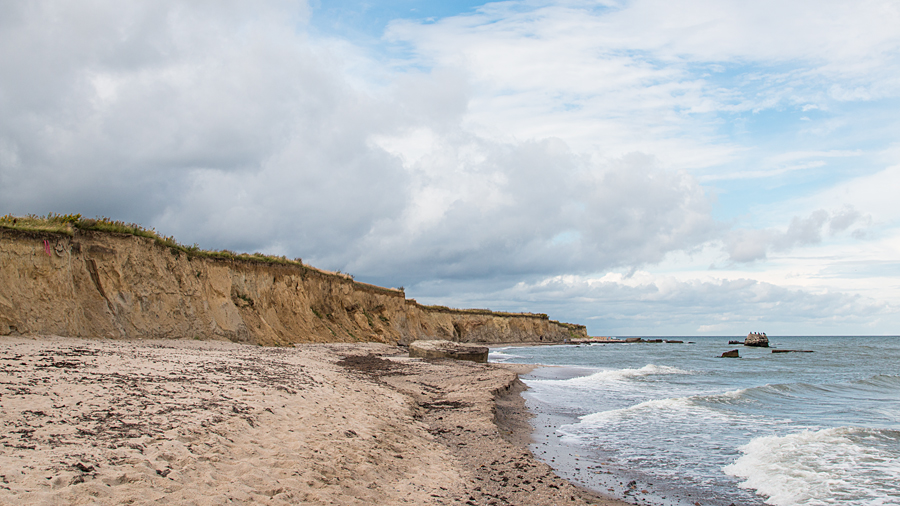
x,y
731,354
757,339
447,349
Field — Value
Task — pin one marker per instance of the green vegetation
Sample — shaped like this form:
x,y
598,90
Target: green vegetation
x,y
487,312
68,223
246,298
54,223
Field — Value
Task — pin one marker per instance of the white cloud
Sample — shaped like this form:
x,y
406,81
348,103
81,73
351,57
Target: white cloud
x,y
643,303
833,32
748,245
607,75
873,194
522,142
227,127
504,215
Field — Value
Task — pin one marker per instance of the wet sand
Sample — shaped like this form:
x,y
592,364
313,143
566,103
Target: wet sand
x,y
200,422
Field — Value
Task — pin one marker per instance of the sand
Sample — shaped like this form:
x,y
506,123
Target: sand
x,y
207,423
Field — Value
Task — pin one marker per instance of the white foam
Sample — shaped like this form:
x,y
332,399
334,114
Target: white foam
x,y
726,396
499,356
605,418
829,466
613,375
694,410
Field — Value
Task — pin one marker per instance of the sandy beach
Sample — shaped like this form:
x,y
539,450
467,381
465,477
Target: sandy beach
x,y
208,422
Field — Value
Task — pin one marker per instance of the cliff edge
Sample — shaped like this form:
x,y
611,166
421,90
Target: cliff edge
x,y
86,283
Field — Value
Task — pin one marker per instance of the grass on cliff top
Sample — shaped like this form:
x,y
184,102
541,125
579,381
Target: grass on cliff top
x,y
446,309
68,223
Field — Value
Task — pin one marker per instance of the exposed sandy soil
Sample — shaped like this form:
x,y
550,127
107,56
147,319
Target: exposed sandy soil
x,y
199,422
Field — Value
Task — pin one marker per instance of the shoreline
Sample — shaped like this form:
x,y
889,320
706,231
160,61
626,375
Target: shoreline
x,y
588,467
206,422
581,467
514,419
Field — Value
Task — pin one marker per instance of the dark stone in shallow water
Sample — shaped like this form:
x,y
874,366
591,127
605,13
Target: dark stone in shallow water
x,y
792,351
731,354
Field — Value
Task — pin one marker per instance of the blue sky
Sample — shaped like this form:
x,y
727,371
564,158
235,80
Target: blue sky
x,y
643,167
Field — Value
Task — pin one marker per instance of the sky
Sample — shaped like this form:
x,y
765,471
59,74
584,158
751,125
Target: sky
x,y
645,167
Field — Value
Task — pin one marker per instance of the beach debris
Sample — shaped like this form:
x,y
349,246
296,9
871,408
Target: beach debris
x,y
447,349
371,364
731,354
758,339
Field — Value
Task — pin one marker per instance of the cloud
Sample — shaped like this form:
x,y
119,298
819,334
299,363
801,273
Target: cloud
x,y
519,143
844,219
229,128
553,72
615,69
645,303
872,193
111,107
802,231
783,163
748,245
501,210
714,30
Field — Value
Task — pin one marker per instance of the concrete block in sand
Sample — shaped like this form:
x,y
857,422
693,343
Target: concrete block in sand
x,y
447,349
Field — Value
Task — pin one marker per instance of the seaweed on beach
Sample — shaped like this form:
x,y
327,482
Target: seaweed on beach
x,y
371,364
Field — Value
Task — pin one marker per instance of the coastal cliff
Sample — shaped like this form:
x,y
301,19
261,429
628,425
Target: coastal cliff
x,y
86,283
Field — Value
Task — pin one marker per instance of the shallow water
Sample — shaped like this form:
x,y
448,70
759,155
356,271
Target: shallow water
x,y
686,426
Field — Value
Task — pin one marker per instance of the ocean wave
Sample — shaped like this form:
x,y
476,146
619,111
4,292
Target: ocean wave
x,y
606,418
701,408
674,409
879,385
844,465
881,381
755,395
613,375
499,356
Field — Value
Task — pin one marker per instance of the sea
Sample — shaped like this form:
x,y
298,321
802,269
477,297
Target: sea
x,y
674,424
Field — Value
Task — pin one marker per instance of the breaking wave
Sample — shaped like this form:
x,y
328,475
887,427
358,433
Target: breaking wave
x,y
844,465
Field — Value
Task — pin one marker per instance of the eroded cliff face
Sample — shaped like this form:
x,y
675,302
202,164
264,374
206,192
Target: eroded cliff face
x,y
98,284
